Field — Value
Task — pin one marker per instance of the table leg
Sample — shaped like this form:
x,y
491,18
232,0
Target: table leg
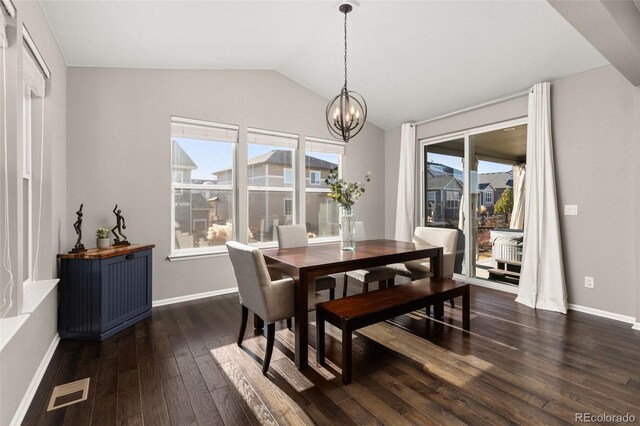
x,y
302,322
319,337
437,264
466,309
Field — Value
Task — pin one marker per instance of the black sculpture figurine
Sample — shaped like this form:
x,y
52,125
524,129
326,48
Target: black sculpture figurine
x,y
120,225
79,247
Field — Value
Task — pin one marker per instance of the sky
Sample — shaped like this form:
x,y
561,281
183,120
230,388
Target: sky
x,y
456,163
214,156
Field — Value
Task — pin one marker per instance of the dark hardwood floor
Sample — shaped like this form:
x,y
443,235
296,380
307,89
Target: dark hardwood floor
x,y
517,366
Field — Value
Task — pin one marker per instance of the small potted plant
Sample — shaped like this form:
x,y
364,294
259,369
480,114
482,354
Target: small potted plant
x,y
102,235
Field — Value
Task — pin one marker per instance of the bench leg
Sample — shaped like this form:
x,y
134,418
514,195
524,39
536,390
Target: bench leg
x,y
319,338
438,310
346,354
466,309
345,284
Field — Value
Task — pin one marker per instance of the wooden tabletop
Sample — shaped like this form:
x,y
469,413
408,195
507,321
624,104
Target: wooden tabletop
x,y
112,251
324,255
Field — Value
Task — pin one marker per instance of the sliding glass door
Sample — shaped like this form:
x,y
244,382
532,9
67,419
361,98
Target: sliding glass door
x,y
473,181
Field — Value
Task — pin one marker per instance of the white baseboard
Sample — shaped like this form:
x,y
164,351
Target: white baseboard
x,y
35,382
604,314
196,296
636,326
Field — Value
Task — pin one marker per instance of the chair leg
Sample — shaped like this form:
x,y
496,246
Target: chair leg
x,y
391,282
243,324
271,337
332,293
452,303
289,323
344,285
365,288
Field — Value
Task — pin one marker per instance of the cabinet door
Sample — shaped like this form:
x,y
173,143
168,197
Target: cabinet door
x,y
126,288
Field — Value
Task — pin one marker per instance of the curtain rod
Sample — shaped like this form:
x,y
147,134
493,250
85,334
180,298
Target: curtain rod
x,y
471,108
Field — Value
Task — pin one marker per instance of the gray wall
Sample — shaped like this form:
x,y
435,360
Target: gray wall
x,y
119,151
596,154
23,354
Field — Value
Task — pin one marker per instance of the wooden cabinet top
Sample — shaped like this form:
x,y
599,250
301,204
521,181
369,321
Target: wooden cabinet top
x,y
113,251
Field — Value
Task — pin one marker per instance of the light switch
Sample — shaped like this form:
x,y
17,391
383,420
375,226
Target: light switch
x,y
571,210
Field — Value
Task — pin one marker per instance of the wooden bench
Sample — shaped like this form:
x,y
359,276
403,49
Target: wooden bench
x,y
354,312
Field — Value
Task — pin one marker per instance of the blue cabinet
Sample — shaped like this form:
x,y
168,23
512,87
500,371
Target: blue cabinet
x,y
103,291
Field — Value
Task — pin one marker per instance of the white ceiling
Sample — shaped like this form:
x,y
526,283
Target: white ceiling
x,y
411,60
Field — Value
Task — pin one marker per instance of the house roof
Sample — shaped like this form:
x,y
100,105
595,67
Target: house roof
x,y
282,156
198,202
181,158
499,180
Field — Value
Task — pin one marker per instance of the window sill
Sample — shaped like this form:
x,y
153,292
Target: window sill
x,y
34,292
195,255
324,240
10,327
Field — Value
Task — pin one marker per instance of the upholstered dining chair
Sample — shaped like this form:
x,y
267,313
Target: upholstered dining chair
x,y
418,269
270,300
443,237
381,274
291,236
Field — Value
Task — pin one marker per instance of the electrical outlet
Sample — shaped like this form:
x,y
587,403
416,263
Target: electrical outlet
x,y
571,210
589,282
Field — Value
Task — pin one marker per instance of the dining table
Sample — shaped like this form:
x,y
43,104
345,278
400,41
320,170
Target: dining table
x,y
305,264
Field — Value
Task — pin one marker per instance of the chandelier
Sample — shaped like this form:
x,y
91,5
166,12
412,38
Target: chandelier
x,y
347,112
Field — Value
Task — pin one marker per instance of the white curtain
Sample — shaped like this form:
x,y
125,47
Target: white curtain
x,y
517,215
542,281
405,207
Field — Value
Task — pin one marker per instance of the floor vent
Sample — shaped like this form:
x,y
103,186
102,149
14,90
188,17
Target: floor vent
x,y
68,394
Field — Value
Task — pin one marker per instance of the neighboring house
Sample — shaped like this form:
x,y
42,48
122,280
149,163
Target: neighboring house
x,y
498,181
445,186
269,208
195,210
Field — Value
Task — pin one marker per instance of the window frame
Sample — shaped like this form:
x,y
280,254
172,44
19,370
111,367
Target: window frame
x,y
178,188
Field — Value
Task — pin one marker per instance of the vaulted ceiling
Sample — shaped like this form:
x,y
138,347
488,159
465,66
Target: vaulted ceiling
x,y
411,60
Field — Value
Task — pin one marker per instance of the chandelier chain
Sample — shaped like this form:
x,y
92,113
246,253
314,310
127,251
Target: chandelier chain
x,y
345,49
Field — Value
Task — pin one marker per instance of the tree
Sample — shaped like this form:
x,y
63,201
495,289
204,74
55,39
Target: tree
x,y
505,203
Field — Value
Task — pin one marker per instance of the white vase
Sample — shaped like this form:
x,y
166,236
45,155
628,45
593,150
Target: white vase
x,y
103,243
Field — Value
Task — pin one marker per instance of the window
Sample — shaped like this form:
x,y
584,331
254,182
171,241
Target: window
x,y
322,213
288,176
270,181
33,91
453,199
288,207
314,177
488,197
202,170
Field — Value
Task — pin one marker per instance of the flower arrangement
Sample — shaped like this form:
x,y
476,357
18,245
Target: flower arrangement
x,y
345,194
